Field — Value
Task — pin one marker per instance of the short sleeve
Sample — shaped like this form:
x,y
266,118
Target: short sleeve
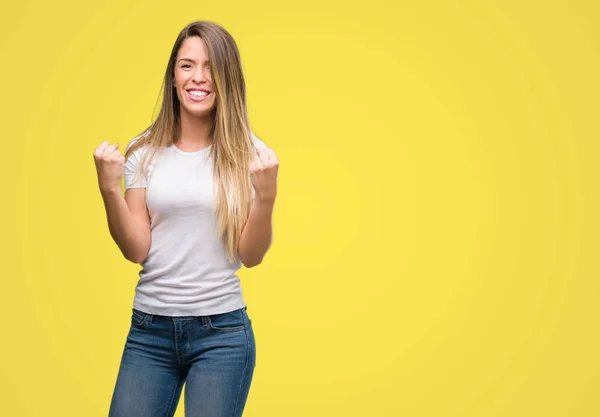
x,y
132,178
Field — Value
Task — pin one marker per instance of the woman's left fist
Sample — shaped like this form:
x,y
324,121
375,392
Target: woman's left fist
x,y
263,173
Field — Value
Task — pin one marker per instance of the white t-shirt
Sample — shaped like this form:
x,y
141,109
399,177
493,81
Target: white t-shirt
x,y
186,271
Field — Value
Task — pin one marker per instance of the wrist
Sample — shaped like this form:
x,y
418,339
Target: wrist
x,y
110,191
262,200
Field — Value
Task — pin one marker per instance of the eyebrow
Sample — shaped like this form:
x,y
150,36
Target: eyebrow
x,y
192,60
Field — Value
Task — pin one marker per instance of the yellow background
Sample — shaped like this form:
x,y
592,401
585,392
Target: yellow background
x,y
436,230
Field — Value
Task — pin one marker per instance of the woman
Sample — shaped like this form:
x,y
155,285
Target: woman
x,y
199,195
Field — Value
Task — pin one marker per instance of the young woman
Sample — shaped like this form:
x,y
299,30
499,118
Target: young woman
x,y
199,195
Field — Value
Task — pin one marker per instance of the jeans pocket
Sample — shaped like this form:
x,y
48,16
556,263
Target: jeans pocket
x,y
138,318
227,322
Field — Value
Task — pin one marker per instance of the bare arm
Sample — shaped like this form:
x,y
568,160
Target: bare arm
x,y
257,234
128,219
128,222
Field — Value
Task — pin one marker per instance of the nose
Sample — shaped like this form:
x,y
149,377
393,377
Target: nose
x,y
199,75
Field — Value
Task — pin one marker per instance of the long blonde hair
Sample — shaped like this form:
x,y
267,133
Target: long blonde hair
x,y
232,148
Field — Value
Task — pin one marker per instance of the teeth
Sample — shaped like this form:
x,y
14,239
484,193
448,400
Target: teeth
x,y
199,93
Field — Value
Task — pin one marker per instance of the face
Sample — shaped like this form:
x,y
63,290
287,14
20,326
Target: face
x,y
193,81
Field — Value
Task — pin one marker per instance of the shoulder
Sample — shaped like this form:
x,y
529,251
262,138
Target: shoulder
x,y
258,143
139,150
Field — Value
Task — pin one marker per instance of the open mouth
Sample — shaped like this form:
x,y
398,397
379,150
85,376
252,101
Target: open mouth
x,y
197,95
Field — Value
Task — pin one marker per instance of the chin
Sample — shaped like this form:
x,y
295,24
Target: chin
x,y
199,112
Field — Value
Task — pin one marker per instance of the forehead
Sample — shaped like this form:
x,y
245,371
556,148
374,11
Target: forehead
x,y
194,48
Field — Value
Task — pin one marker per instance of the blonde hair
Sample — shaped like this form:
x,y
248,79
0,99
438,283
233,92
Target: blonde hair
x,y
232,148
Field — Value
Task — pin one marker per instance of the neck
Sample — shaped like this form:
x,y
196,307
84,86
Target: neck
x,y
195,131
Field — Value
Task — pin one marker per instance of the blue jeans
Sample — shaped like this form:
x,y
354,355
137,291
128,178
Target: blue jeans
x,y
213,355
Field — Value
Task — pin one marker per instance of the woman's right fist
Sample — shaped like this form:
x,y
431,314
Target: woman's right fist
x,y
110,165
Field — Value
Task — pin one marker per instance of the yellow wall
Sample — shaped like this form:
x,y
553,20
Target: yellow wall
x,y
436,229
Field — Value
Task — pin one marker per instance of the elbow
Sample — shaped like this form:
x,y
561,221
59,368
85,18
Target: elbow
x,y
134,250
251,262
132,258
136,258
252,257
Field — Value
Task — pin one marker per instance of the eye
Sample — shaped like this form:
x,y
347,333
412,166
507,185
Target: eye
x,y
186,65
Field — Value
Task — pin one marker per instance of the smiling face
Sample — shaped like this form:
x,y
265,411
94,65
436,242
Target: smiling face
x,y
193,80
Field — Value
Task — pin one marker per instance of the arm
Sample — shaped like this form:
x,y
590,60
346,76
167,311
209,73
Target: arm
x,y
128,219
257,234
128,222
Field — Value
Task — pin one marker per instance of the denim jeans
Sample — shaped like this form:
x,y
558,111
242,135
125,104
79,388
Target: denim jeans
x,y
213,355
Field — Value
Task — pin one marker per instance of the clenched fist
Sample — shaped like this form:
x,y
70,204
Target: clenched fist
x,y
110,165
263,173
